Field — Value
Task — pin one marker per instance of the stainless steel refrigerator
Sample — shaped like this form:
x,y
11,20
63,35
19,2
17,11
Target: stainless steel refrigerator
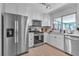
x,y
14,34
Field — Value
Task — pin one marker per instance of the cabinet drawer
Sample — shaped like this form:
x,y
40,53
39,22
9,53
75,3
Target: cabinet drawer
x,y
31,39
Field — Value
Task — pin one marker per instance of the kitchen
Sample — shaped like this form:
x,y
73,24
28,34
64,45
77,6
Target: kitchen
x,y
54,26
63,28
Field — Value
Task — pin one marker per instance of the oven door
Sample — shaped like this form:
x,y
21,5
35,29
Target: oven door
x,y
38,38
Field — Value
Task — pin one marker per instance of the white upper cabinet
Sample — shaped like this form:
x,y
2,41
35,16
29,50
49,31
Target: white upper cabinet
x,y
46,20
11,8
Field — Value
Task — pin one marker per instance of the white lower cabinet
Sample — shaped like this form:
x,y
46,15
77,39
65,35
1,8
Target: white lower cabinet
x,y
46,37
56,40
31,39
60,42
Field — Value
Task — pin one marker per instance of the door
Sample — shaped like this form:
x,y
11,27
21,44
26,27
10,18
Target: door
x,y
18,34
9,42
24,34
21,34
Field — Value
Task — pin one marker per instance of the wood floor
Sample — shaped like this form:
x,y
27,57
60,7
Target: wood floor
x,y
44,50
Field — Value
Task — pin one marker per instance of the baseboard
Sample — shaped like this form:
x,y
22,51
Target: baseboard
x,y
58,49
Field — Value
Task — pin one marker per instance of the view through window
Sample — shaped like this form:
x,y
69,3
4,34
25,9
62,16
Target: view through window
x,y
57,23
69,22
65,23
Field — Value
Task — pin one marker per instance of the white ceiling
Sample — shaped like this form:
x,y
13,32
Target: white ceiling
x,y
42,9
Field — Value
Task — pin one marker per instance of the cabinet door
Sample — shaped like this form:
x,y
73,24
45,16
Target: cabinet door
x,y
11,8
56,40
46,37
31,39
46,22
31,43
60,42
52,39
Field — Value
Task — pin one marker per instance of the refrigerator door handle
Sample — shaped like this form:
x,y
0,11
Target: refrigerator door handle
x,y
15,32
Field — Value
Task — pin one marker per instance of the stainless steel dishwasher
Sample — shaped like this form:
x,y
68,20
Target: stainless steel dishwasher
x,y
71,45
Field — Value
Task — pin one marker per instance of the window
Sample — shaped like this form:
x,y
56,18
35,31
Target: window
x,y
65,23
57,23
69,22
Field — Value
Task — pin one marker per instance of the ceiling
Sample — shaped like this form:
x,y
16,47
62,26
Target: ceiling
x,y
41,7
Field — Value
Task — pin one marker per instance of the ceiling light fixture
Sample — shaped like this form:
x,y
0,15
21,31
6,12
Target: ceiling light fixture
x,y
46,5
